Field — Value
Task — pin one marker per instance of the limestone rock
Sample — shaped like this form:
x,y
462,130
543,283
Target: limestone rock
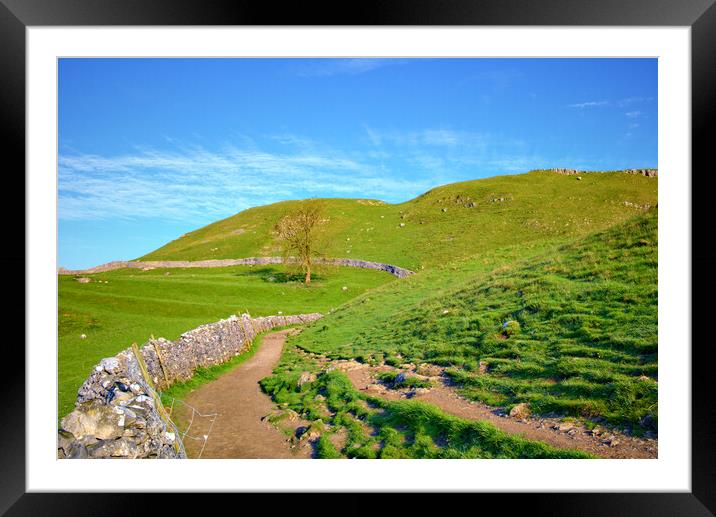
x,y
564,426
64,440
101,422
120,448
429,370
77,451
110,364
305,378
520,411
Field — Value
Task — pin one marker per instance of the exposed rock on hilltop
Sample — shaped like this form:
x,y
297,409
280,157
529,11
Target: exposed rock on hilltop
x,y
649,173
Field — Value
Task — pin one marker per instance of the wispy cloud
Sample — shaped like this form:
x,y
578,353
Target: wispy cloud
x,y
197,184
446,151
435,137
354,66
194,183
588,104
621,103
629,101
497,79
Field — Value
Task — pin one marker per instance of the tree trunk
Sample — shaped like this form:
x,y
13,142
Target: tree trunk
x,y
308,274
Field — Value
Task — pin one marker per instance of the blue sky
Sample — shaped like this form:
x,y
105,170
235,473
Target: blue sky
x,y
152,148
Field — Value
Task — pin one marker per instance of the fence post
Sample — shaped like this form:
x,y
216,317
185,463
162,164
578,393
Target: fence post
x,y
161,363
157,401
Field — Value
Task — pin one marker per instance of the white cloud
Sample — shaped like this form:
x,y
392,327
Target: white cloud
x,y
190,182
633,114
496,79
373,136
455,153
440,137
356,66
622,103
200,185
588,104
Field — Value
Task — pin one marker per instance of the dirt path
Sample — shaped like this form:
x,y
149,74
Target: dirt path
x,y
239,431
607,444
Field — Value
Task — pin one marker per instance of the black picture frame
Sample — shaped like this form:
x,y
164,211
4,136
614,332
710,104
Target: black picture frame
x,y
700,15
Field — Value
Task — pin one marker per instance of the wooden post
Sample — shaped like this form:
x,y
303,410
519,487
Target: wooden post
x,y
142,365
157,401
161,363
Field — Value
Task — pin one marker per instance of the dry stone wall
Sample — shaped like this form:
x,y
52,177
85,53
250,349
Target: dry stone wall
x,y
117,412
209,345
136,264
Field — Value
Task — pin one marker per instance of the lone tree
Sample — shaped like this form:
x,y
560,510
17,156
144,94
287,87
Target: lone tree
x,y
297,232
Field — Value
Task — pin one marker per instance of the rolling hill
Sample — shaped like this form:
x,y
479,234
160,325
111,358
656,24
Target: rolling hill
x,y
443,225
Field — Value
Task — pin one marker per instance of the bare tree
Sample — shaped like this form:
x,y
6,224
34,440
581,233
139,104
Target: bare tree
x,y
297,232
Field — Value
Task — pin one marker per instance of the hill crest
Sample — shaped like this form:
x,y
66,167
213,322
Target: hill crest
x,y
445,223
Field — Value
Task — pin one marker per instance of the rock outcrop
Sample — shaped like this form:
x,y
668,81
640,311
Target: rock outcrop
x,y
650,173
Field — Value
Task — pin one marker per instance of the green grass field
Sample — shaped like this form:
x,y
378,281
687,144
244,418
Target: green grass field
x,y
135,304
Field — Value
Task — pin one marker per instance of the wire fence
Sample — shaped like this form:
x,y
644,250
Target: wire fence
x,y
194,414
168,417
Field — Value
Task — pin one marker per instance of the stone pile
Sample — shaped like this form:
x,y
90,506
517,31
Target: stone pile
x,y
117,413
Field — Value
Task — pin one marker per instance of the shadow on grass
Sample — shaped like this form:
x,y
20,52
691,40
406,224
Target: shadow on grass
x,y
276,276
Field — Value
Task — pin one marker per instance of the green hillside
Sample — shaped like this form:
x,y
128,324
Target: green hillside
x,y
585,339
445,224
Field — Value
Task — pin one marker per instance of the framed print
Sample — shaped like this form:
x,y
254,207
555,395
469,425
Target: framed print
x,y
420,243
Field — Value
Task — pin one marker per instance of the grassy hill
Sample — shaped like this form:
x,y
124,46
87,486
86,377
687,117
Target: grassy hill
x,y
583,341
445,224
